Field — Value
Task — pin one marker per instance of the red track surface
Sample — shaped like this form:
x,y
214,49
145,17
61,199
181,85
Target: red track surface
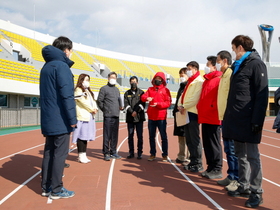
x,y
135,184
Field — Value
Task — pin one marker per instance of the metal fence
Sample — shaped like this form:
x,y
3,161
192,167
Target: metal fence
x,y
10,117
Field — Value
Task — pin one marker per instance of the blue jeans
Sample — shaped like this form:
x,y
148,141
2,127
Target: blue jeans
x,y
232,160
161,125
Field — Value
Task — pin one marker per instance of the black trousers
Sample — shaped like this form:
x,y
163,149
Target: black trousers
x,y
110,135
193,142
139,131
55,152
82,145
211,138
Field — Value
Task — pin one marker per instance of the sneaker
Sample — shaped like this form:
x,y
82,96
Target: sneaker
x,y
232,186
164,158
46,193
214,174
107,157
66,165
224,182
179,161
139,157
203,174
62,194
195,168
116,156
240,192
151,158
254,200
130,156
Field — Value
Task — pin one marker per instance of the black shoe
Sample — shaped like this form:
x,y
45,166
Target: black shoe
x,y
240,192
179,161
139,157
66,165
130,156
254,200
107,157
214,174
195,168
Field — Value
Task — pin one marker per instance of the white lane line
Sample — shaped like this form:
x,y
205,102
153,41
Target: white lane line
x,y
270,145
22,151
270,157
19,187
271,137
190,181
109,183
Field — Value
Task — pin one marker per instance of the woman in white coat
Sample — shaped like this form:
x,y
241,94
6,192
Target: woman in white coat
x,y
86,109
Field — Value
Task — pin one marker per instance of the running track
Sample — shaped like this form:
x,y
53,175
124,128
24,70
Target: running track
x,y
124,184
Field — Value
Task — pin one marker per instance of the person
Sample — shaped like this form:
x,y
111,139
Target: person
x,y
58,115
187,102
223,64
159,99
244,117
183,155
208,118
276,124
109,102
135,116
86,109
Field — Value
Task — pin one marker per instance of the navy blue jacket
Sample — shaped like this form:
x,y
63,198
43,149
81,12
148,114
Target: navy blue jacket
x,y
247,100
58,108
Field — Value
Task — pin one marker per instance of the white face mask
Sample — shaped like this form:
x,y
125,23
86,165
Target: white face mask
x,y
218,66
189,74
233,55
182,79
206,70
112,81
86,84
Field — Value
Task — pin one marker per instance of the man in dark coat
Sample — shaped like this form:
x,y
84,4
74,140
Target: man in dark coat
x,y
244,117
58,115
109,102
276,124
135,116
183,155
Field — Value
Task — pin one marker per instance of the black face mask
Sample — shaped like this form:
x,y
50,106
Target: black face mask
x,y
133,85
157,82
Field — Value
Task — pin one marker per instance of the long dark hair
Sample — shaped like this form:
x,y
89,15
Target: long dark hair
x,y
80,84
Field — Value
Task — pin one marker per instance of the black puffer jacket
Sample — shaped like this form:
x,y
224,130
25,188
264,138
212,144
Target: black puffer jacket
x,y
276,124
247,100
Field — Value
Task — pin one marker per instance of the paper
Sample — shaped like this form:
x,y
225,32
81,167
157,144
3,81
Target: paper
x,y
182,119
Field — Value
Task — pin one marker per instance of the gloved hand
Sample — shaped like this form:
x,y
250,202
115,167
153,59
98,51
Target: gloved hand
x,y
256,128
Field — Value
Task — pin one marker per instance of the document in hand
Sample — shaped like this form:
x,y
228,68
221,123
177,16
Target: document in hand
x,y
182,119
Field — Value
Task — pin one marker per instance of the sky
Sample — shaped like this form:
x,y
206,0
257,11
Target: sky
x,y
178,30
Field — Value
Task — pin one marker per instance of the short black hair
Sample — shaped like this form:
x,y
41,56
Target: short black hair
x,y
111,73
225,55
63,43
183,70
245,41
133,77
212,59
193,64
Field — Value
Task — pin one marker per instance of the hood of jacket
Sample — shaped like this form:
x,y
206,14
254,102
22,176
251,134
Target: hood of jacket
x,y
162,76
212,75
51,53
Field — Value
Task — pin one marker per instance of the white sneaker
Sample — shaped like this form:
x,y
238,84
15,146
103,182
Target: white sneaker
x,y
82,157
232,186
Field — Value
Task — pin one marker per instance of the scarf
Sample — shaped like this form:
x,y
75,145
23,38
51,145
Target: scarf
x,y
190,80
237,63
